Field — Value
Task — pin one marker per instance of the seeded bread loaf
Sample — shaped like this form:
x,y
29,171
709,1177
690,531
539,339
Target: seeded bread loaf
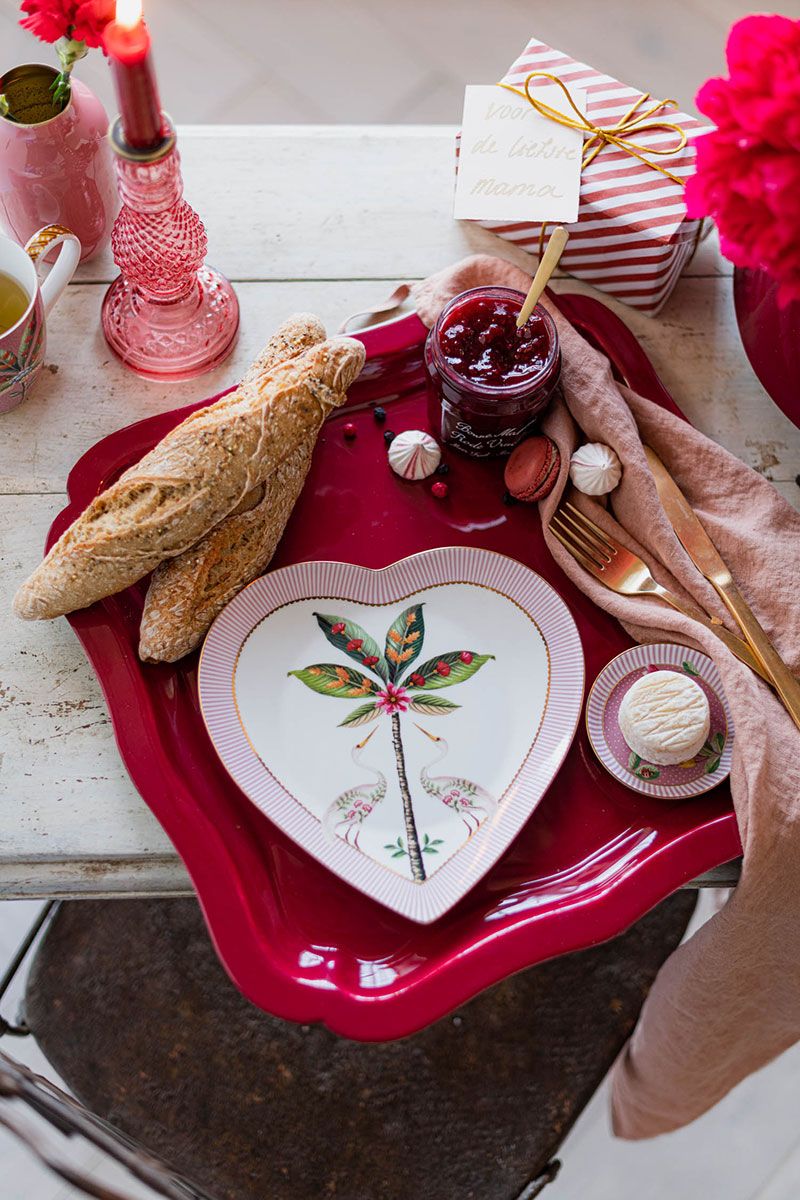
x,y
186,593
198,474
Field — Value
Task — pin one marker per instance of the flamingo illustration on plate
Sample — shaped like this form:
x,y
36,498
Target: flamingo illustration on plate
x,y
350,810
391,683
471,801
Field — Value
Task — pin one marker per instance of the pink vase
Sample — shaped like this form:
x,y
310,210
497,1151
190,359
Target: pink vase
x,y
57,171
771,337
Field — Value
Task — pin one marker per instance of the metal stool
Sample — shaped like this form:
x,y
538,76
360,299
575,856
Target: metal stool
x,y
131,1006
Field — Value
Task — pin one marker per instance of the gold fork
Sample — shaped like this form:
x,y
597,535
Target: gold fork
x,y
624,572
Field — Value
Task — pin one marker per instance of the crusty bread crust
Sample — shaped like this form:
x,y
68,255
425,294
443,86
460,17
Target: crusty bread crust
x,y
198,474
188,592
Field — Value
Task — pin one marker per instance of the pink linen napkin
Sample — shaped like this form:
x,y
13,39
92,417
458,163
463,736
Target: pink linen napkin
x,y
728,1000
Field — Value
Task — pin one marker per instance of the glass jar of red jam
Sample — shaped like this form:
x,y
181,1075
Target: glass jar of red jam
x,y
487,380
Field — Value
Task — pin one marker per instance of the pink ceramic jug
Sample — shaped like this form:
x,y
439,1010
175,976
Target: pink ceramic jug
x,y
56,171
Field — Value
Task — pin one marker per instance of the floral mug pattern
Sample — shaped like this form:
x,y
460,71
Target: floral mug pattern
x,y
22,347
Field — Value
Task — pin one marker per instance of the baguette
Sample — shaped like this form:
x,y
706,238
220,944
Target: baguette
x,y
198,474
187,593
291,338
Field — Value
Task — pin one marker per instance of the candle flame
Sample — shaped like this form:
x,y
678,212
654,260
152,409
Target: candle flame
x,y
129,13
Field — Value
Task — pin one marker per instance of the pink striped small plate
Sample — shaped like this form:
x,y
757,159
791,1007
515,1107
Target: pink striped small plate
x,y
401,724
710,766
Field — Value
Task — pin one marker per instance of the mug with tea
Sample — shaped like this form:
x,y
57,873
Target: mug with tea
x,y
25,303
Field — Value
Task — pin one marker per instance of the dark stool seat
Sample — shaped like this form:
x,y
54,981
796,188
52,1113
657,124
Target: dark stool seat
x,y
129,1003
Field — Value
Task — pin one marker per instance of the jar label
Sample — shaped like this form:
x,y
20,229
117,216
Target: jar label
x,y
466,438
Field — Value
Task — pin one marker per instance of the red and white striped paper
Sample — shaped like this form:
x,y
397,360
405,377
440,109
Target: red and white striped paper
x,y
632,237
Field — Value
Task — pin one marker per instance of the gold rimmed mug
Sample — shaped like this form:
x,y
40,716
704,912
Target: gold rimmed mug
x,y
22,344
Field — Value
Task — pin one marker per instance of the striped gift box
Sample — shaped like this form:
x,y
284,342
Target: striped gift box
x,y
632,238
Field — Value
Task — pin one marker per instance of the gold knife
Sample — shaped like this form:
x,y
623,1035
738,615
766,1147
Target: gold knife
x,y
705,556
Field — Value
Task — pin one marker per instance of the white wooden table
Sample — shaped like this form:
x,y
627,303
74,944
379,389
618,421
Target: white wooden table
x,y
326,219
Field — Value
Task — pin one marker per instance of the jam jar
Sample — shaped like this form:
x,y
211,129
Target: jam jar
x,y
487,380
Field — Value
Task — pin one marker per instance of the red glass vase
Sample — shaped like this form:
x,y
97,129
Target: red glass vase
x,y
771,337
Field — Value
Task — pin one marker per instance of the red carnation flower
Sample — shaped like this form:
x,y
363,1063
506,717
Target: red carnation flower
x,y
81,20
339,627
91,18
748,168
48,19
417,679
355,643
442,668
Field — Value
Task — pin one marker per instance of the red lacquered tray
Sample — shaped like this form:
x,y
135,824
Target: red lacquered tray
x,y
299,942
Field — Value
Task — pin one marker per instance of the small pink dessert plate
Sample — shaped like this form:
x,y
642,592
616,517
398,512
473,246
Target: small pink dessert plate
x,y
710,766
324,687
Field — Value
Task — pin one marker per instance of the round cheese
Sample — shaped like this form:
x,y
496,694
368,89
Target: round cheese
x,y
665,718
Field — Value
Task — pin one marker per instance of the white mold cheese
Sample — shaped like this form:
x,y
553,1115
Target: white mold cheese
x,y
665,717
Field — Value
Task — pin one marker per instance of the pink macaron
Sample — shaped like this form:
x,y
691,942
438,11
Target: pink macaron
x,y
532,470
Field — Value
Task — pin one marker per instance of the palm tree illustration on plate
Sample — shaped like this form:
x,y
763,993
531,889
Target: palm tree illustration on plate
x,y
461,795
16,369
385,694
351,808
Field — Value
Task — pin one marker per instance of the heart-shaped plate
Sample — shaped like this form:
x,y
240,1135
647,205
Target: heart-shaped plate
x,y
324,687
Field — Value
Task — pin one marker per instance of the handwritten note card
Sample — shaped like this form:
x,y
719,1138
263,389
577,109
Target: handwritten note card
x,y
514,164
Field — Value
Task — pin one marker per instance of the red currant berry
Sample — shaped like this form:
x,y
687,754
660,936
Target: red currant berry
x,y
417,679
349,430
443,669
466,656
339,627
439,490
355,644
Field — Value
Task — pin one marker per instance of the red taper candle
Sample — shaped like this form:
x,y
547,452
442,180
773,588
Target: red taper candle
x,y
127,44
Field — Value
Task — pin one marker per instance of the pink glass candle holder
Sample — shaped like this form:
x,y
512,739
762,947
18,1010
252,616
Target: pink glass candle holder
x,y
167,315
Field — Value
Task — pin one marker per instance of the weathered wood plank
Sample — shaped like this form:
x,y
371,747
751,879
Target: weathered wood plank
x,y
87,393
65,793
96,879
332,202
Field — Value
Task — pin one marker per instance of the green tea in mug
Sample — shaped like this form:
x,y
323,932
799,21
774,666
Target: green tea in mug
x,y
13,302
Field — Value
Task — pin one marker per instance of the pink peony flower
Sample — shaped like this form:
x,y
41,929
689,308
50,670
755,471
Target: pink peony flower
x,y
393,699
748,168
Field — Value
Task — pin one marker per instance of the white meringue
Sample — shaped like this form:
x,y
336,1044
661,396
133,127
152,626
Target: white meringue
x,y
414,454
595,469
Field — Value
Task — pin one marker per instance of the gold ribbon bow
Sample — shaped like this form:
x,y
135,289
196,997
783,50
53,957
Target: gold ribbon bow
x,y
622,135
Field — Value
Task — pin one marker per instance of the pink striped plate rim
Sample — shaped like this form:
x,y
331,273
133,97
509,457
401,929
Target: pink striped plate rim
x,y
710,766
401,725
